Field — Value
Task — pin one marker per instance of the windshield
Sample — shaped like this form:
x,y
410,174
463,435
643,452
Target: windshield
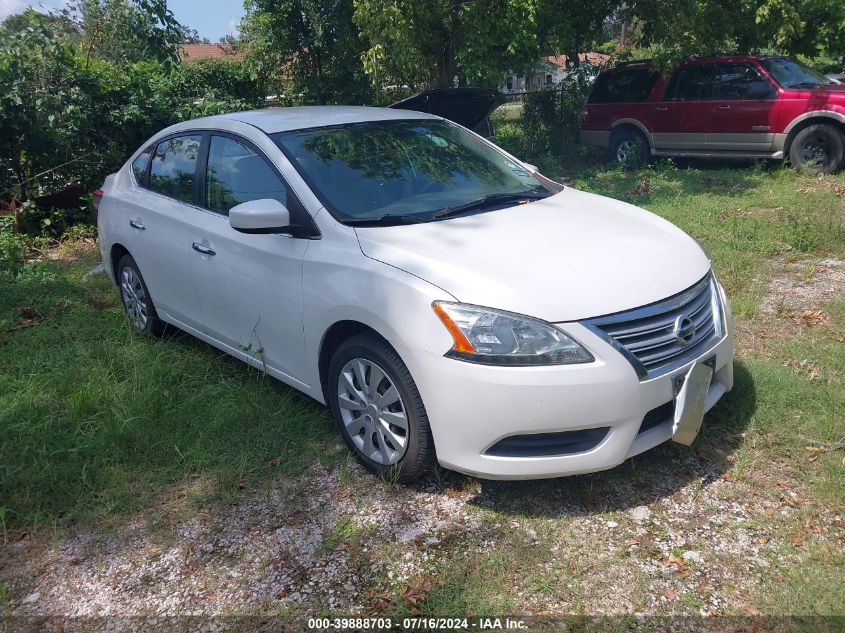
x,y
405,171
790,73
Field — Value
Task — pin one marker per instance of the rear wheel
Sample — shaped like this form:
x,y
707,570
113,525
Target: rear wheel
x,y
136,299
818,148
629,149
378,410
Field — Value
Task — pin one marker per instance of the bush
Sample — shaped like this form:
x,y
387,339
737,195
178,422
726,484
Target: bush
x,y
66,118
541,123
13,249
549,123
510,137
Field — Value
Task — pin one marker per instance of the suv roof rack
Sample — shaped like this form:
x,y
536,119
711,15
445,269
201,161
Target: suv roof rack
x,y
634,61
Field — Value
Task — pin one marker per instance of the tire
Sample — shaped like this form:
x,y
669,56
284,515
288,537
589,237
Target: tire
x,y
136,300
629,148
818,148
373,432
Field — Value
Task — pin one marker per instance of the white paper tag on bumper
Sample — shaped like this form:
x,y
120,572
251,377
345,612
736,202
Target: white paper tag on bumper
x,y
689,405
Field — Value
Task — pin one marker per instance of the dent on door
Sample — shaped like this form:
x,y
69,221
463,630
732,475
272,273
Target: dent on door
x,y
250,295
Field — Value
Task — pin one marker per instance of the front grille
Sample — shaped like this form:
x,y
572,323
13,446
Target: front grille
x,y
648,336
549,444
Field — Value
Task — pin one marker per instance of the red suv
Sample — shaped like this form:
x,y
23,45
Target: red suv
x,y
740,107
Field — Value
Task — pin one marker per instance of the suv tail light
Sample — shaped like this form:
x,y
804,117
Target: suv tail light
x,y
97,197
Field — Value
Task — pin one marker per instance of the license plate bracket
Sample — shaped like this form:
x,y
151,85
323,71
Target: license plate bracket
x,y
690,400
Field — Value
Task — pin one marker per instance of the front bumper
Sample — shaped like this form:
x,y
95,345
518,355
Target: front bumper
x,y
471,407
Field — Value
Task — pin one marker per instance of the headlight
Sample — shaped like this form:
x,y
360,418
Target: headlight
x,y
492,337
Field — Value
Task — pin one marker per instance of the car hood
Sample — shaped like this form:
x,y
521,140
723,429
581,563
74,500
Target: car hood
x,y
567,257
833,90
464,106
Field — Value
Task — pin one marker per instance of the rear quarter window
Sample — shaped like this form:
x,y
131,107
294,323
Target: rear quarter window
x,y
624,86
139,166
173,167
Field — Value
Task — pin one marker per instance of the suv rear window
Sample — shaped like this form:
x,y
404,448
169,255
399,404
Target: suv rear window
x,y
624,86
692,83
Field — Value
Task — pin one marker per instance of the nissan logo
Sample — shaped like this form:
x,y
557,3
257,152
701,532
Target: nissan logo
x,y
684,329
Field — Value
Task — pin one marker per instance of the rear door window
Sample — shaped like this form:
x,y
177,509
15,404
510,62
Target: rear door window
x,y
625,86
173,168
693,83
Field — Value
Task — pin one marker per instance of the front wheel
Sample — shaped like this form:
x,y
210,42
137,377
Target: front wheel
x,y
818,149
378,410
629,149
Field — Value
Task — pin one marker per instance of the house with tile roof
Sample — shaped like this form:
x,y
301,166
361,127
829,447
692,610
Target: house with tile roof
x,y
194,52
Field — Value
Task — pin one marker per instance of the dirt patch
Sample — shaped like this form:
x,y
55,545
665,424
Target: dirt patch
x,y
340,541
321,542
803,287
793,301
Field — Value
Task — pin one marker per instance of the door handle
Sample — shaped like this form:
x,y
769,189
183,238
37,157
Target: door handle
x,y
202,248
137,224
723,108
662,108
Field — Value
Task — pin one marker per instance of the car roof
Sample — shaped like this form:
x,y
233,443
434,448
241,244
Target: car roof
x,y
638,64
272,120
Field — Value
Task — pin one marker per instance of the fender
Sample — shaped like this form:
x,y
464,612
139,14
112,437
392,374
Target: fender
x,y
839,117
642,128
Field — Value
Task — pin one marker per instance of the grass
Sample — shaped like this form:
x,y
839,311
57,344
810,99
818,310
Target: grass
x,y
747,218
97,424
95,421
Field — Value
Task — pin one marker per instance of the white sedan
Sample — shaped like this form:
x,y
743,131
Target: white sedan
x,y
443,298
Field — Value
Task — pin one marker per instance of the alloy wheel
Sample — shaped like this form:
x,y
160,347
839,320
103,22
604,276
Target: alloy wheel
x,y
134,298
372,411
624,151
814,152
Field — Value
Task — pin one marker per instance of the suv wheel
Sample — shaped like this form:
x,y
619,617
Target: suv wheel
x,y
818,148
136,299
378,410
629,149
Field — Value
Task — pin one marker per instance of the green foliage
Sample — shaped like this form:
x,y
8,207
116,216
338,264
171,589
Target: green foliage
x,y
674,28
126,31
70,117
308,50
414,45
13,248
546,124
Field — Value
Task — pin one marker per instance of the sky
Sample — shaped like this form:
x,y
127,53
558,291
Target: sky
x,y
211,18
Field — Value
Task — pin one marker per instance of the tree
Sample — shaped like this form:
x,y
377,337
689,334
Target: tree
x,y
59,24
443,42
674,28
573,27
310,45
125,31
434,43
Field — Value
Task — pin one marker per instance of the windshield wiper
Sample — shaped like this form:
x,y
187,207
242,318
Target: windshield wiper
x,y
493,198
387,219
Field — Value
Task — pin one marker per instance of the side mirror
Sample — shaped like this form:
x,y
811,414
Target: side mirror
x,y
260,216
532,168
759,89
